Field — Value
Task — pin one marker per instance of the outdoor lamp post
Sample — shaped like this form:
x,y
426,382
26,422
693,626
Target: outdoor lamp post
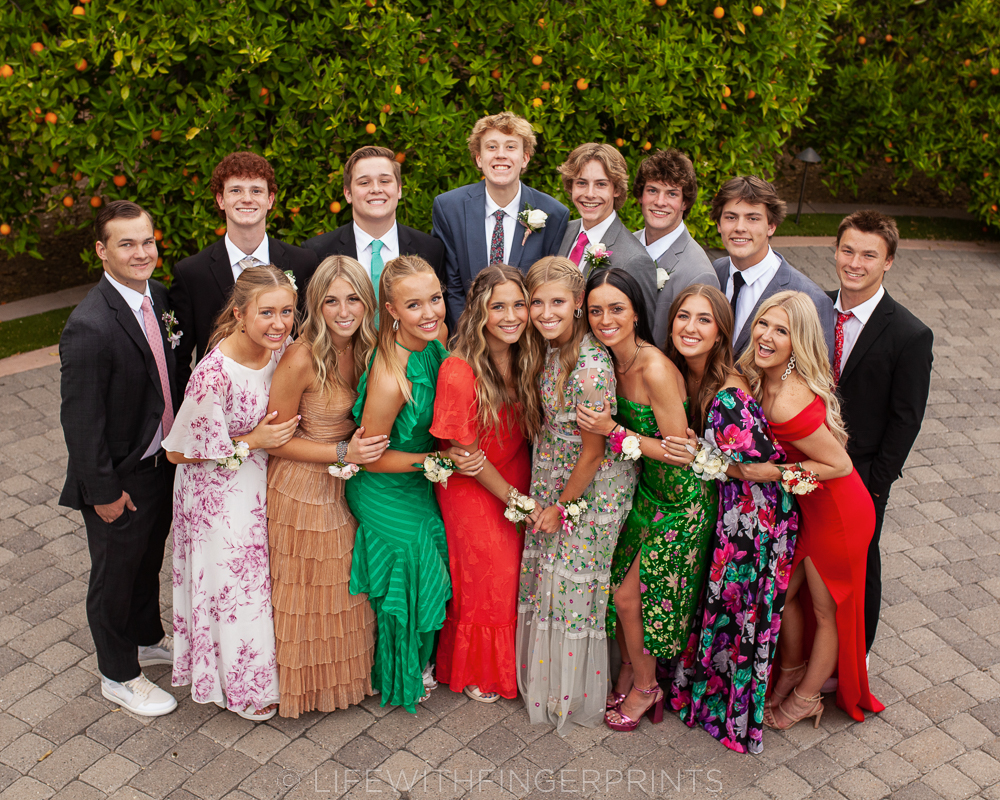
x,y
809,156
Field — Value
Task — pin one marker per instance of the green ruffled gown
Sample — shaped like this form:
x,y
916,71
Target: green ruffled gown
x,y
400,551
673,515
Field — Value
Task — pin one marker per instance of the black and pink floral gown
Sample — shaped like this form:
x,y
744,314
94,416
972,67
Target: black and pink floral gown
x,y
722,675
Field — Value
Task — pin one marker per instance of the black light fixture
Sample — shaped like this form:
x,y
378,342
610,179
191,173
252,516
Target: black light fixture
x,y
809,156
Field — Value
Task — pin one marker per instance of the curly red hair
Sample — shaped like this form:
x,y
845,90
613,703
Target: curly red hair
x,y
243,165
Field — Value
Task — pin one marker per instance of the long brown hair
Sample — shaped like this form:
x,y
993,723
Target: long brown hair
x,y
251,283
559,269
718,364
471,346
315,332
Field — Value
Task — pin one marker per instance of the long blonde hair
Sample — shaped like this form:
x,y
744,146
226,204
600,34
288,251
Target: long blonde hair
x,y
315,332
559,269
251,283
385,355
809,348
471,346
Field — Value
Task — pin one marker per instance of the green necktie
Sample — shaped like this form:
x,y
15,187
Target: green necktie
x,y
377,263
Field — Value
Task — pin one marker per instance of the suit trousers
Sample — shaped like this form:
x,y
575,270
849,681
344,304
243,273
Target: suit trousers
x,y
873,573
123,599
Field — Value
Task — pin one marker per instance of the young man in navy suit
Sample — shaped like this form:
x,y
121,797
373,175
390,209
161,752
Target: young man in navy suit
x,y
747,211
479,225
882,366
373,188
243,185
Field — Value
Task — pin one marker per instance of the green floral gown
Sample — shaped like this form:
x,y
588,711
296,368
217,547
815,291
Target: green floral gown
x,y
673,515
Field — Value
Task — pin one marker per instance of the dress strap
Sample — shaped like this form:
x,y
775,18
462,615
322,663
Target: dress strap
x,y
407,349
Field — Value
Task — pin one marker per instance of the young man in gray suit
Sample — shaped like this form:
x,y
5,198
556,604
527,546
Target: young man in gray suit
x,y
479,225
596,179
746,211
666,188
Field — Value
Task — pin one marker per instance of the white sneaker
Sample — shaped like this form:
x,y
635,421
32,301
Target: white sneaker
x,y
139,695
160,653
429,681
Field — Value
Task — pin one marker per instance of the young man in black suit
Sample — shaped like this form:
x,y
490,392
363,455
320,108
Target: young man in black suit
x,y
882,366
117,374
243,185
373,187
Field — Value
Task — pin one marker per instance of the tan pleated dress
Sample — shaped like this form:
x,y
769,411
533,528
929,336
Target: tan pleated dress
x,y
325,636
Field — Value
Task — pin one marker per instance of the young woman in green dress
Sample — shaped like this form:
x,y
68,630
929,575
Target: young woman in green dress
x,y
659,562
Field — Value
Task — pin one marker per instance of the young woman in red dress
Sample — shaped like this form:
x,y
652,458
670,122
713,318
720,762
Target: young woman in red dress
x,y
487,398
822,628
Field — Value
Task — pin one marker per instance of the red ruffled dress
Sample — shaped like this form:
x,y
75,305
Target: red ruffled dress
x,y
836,525
476,646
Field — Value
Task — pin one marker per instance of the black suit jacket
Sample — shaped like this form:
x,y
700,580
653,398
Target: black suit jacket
x,y
883,390
112,400
201,288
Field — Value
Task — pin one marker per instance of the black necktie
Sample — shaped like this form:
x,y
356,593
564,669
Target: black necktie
x,y
738,283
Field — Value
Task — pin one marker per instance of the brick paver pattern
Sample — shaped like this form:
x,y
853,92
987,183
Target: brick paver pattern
x,y
935,664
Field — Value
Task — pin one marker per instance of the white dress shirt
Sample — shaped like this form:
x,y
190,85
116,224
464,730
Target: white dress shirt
x,y
855,324
756,279
134,300
363,242
262,254
511,211
661,245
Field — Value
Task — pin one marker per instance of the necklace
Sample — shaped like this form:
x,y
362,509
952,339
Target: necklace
x,y
341,352
628,364
504,370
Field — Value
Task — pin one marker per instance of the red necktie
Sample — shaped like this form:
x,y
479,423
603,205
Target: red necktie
x,y
838,343
577,253
155,340
496,245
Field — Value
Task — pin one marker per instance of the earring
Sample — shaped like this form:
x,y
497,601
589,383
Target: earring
x,y
395,324
578,313
789,368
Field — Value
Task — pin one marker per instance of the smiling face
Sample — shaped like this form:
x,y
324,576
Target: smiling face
x,y
270,318
694,331
245,202
343,310
418,304
861,265
593,194
772,340
501,158
506,316
552,308
611,316
745,232
662,209
129,252
374,192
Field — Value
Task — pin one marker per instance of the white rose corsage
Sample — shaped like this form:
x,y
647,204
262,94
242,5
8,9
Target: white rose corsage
x,y
625,444
437,468
344,471
519,506
240,454
662,276
597,255
533,220
710,462
170,323
571,513
796,479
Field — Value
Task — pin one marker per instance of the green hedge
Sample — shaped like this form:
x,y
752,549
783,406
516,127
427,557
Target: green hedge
x,y
169,87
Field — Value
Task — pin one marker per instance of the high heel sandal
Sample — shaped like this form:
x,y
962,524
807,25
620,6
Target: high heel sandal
x,y
615,699
626,723
782,697
815,711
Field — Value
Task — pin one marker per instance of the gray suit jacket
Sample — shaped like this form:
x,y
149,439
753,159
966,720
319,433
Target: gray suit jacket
x,y
687,263
787,278
626,254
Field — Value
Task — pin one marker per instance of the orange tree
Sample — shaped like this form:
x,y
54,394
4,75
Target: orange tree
x,y
916,85
128,99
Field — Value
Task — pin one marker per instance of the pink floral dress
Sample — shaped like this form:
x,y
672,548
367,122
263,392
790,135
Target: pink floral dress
x,y
223,626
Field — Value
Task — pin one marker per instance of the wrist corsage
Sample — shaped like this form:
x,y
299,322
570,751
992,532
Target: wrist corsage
x,y
572,512
796,479
344,471
597,255
710,462
519,506
240,454
624,444
533,220
437,468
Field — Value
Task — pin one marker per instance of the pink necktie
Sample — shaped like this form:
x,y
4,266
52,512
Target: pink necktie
x,y
155,339
577,252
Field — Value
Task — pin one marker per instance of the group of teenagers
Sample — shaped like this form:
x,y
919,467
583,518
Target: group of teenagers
x,y
477,457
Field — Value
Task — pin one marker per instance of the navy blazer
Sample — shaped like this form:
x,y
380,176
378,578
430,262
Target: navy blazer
x,y
112,399
459,221
787,278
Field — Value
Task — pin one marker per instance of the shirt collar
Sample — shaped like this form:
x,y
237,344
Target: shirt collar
x,y
661,245
262,253
389,240
596,234
864,310
129,295
767,266
511,209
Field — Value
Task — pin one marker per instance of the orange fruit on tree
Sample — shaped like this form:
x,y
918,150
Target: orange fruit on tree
x,y
156,135
120,180
400,157
78,11
455,45
159,262
862,40
719,12
37,47
723,106
386,108
536,102
54,169
398,89
335,207
51,118
726,91
370,127
660,3
888,159
495,73
536,60
6,71
993,208
263,91
68,201
77,175
81,65
986,136
545,86
619,142
647,146
5,229
751,94
541,22
888,37
995,71
295,209
757,11
220,231
972,85
968,62
423,60
96,201
158,234
581,84
184,172
194,178
370,3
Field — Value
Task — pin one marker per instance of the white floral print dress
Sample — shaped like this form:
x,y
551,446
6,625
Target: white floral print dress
x,y
223,625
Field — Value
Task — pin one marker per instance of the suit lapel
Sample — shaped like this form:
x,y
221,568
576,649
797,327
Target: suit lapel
x,y
777,284
221,269
877,323
348,244
671,256
615,230
570,237
276,252
126,318
475,228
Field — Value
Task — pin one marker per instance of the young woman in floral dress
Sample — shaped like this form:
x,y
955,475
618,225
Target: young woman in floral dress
x,y
562,647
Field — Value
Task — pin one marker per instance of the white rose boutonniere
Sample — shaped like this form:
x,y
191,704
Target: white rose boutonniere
x,y
597,255
662,276
533,220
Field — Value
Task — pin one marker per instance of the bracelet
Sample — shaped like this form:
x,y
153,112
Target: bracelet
x,y
342,451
